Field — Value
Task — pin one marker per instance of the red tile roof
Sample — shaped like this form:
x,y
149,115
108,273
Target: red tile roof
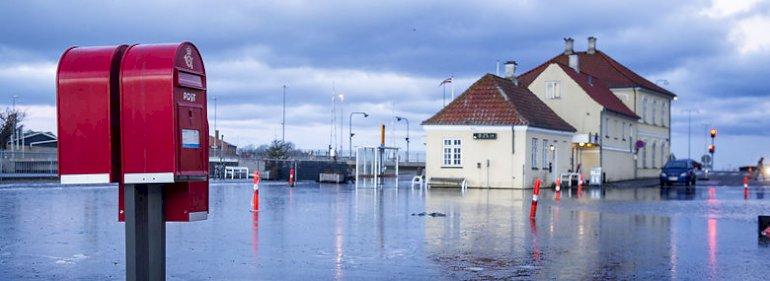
x,y
493,100
594,87
610,71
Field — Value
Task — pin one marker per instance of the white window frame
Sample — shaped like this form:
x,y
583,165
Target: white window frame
x,y
553,89
644,109
653,154
654,113
663,113
533,155
451,153
623,131
545,154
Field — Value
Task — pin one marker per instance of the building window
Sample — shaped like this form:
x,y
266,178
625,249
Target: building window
x,y
654,163
644,109
552,89
654,112
663,114
534,153
452,152
545,154
663,158
623,131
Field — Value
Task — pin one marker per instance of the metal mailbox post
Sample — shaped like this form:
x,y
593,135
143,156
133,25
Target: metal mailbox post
x,y
137,116
164,137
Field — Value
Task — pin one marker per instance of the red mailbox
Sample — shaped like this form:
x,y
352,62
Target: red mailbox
x,y
87,95
164,129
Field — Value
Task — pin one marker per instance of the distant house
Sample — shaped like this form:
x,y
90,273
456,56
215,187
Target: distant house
x,y
497,134
612,108
34,142
226,148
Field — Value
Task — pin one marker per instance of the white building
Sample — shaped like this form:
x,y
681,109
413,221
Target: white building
x,y
612,109
497,134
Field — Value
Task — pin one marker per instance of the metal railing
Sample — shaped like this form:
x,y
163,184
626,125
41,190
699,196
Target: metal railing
x,y
23,164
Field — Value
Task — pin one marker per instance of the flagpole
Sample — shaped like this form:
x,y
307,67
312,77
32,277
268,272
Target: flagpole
x,y
444,85
452,81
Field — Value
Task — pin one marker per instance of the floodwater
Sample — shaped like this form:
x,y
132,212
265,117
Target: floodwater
x,y
322,232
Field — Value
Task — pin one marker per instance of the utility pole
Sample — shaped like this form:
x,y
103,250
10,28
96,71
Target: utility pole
x,y
14,136
350,131
398,118
689,132
283,120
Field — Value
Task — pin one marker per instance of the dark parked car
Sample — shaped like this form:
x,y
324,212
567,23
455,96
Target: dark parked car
x,y
679,171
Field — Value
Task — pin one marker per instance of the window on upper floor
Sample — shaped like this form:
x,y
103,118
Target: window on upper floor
x,y
654,112
644,109
623,131
605,127
663,113
553,89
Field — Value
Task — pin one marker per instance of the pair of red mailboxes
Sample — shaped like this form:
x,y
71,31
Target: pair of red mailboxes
x,y
136,115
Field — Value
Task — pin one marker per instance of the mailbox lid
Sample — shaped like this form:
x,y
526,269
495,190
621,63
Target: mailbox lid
x,y
150,126
87,95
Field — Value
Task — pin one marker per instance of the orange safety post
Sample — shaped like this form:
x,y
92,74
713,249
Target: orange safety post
x,y
535,194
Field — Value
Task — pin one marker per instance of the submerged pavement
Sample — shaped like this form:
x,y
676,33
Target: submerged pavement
x,y
326,231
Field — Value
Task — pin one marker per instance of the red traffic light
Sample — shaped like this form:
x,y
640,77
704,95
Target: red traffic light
x,y
711,148
713,133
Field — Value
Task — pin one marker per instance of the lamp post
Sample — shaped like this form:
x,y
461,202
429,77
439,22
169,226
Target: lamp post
x,y
283,117
350,130
342,119
398,118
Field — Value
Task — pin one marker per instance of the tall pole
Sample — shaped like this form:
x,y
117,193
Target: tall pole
x,y
342,120
689,133
350,131
14,136
444,85
283,119
398,118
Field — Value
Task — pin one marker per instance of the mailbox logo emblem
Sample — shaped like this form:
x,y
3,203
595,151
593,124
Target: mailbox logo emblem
x,y
188,59
189,96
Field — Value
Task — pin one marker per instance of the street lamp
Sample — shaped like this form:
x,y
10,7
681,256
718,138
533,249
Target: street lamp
x,y
283,117
398,118
350,130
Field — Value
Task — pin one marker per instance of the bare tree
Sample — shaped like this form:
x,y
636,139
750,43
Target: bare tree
x,y
10,119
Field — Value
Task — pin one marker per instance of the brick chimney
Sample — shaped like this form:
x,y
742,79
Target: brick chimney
x,y
569,45
591,45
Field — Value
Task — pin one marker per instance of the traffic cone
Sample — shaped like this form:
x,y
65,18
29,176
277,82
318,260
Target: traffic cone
x,y
746,187
558,184
255,200
535,194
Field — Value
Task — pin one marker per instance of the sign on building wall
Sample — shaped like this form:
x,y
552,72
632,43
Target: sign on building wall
x,y
484,136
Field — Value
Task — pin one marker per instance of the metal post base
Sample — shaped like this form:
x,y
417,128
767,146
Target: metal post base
x,y
145,232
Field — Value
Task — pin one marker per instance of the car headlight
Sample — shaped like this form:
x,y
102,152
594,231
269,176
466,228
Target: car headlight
x,y
663,174
683,174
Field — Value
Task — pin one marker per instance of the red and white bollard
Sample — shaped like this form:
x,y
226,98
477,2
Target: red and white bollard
x,y
535,194
746,187
255,198
580,186
291,177
557,194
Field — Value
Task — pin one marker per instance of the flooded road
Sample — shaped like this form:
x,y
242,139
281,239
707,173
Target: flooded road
x,y
321,232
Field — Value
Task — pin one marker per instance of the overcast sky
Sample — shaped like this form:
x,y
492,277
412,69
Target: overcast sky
x,y
388,58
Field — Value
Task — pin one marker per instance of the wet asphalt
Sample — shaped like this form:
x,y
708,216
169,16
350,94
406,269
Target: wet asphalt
x,y
337,232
